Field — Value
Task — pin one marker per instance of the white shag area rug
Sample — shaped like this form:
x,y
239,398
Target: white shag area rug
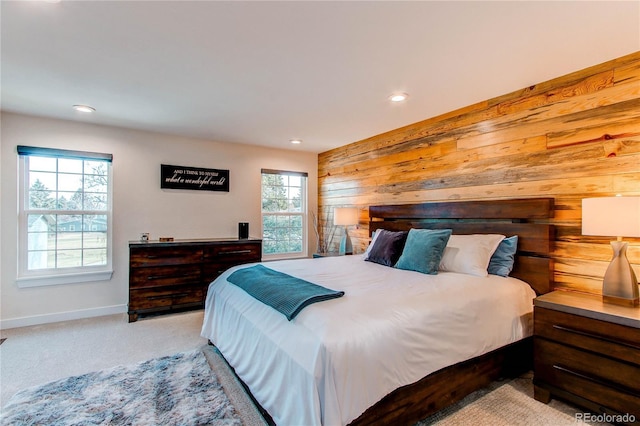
x,y
180,389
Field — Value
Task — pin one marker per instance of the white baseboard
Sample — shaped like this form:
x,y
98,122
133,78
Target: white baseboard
x,y
62,316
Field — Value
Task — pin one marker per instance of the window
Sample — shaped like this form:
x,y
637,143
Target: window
x,y
284,214
64,216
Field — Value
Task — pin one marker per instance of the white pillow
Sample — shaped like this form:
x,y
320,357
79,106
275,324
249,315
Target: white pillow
x,y
470,254
373,240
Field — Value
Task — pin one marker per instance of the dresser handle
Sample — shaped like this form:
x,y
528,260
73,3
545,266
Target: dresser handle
x,y
168,296
595,336
159,277
235,252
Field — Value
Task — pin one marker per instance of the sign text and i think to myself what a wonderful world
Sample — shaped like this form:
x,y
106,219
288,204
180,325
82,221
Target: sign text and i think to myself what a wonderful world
x,y
199,179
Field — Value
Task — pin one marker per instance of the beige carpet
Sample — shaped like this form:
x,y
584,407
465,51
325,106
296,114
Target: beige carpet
x,y
506,403
38,354
35,355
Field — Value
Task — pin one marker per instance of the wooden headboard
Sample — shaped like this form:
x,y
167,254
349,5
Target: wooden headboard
x,y
507,217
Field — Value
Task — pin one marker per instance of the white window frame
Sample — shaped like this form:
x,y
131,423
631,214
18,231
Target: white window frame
x,y
68,275
303,214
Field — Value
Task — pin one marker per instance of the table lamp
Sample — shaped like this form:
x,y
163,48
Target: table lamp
x,y
345,216
615,217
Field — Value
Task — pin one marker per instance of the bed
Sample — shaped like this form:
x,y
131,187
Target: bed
x,y
378,355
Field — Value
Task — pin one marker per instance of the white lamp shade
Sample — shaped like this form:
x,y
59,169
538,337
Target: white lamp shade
x,y
611,216
345,216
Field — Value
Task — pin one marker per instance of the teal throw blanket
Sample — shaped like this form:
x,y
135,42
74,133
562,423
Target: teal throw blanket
x,y
284,293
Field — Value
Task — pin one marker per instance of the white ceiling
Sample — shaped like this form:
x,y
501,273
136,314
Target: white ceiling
x,y
267,72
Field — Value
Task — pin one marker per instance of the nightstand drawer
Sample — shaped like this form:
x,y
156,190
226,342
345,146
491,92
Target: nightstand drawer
x,y
609,399
165,275
603,381
552,359
149,298
612,340
162,256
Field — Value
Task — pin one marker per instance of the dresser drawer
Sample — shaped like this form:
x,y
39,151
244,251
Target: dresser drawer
x,y
211,271
165,275
612,340
169,297
161,256
247,252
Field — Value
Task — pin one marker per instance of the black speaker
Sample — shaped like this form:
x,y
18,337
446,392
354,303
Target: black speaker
x,y
243,230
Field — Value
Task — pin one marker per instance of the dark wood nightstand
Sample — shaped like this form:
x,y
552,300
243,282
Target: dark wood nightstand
x,y
588,353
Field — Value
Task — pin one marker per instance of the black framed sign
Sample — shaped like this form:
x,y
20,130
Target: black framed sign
x,y
196,178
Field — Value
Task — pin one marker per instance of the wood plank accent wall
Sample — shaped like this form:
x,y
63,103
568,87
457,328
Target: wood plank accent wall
x,y
569,138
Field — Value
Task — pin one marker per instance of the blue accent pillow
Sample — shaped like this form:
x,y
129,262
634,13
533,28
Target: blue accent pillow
x,y
423,250
501,262
387,247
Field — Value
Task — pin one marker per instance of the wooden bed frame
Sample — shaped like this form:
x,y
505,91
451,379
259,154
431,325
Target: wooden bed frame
x,y
442,388
414,402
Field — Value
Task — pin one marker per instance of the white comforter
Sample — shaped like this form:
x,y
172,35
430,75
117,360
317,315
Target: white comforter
x,y
391,328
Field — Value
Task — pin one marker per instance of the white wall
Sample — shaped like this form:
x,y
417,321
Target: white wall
x,y
139,205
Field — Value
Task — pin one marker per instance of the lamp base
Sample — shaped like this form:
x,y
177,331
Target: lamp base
x,y
345,243
620,285
620,301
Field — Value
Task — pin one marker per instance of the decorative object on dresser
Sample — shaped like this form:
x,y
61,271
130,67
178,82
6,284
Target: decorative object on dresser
x,y
165,276
615,217
588,352
345,216
243,230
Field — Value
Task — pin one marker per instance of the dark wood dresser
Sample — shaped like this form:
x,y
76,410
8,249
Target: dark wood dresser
x,y
165,276
588,353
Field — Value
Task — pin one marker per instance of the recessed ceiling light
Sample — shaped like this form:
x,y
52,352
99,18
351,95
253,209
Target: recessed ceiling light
x,y
398,97
296,141
84,108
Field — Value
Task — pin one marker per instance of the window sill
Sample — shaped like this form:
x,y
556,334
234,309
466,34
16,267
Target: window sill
x,y
46,280
269,257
